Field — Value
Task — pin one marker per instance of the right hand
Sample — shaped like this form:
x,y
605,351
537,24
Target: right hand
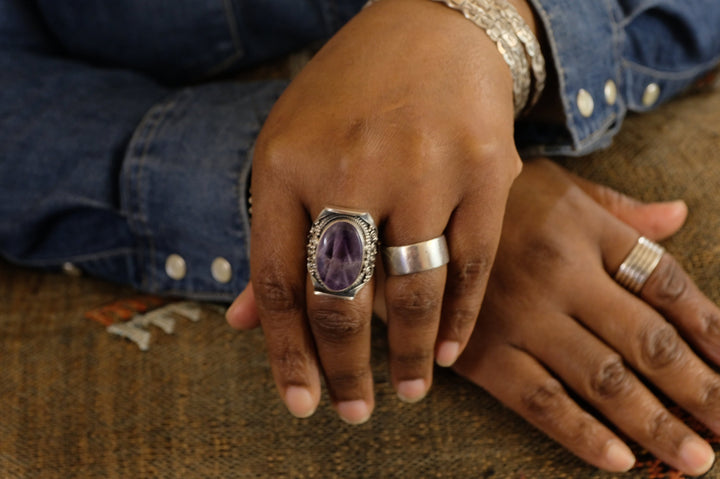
x,y
407,113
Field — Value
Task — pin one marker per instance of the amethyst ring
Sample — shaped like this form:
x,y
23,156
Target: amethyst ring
x,y
341,250
417,257
639,265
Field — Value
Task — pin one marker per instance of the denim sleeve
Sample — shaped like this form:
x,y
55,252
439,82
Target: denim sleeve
x,y
105,172
183,188
615,56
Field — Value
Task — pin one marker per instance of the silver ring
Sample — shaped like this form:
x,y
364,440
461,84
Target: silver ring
x,y
639,264
341,250
415,258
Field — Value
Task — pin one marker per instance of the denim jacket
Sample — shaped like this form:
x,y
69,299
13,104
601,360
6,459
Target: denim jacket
x,y
123,156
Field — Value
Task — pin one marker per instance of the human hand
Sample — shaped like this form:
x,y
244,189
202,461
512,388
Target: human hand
x,y
554,321
407,113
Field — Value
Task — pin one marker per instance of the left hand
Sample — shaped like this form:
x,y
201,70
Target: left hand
x,y
555,320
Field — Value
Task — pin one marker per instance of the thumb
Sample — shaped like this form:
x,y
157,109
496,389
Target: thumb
x,y
656,221
242,313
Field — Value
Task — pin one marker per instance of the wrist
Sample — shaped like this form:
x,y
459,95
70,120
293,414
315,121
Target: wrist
x,y
515,41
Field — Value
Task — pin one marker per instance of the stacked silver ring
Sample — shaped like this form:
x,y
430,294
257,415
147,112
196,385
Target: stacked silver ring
x,y
639,264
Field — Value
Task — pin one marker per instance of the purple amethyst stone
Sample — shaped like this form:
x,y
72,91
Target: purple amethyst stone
x,y
339,255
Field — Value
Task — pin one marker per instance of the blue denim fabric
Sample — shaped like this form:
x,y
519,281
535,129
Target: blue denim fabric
x,y
183,185
113,157
189,40
634,43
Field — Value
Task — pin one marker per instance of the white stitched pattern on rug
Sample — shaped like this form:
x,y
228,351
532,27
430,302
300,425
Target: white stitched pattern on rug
x,y
136,329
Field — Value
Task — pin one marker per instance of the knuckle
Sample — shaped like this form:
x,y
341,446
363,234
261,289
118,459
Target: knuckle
x,y
271,150
275,295
660,346
470,274
543,400
611,379
336,326
415,301
710,323
494,153
709,398
668,283
583,432
291,364
659,425
461,322
542,255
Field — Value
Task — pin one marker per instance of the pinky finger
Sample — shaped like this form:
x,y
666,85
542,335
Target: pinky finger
x,y
540,398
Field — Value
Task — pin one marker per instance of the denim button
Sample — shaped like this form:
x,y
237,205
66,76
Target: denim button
x,y
71,270
175,266
610,92
651,94
221,270
585,103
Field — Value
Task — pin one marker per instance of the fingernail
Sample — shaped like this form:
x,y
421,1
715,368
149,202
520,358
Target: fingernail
x,y
411,391
697,455
447,353
619,457
679,204
354,412
299,401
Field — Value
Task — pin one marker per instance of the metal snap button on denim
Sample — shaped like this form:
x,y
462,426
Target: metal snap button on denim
x,y
585,103
651,94
221,270
71,270
175,267
610,92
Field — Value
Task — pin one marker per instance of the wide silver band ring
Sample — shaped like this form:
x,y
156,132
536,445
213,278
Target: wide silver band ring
x,y
341,250
415,258
639,264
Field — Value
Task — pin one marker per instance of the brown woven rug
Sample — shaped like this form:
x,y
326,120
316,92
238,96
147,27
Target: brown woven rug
x,y
78,402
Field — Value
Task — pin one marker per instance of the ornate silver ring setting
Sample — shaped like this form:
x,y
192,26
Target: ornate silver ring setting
x,y
341,250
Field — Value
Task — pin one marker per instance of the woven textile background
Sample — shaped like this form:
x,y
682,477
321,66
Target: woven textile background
x,y
77,402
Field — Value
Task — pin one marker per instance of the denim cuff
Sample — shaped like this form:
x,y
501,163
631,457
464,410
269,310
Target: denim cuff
x,y
184,186
631,57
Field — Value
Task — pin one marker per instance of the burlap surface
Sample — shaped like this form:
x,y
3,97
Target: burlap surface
x,y
77,402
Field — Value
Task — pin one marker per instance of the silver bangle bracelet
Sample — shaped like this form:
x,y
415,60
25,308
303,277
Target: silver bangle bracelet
x,y
531,44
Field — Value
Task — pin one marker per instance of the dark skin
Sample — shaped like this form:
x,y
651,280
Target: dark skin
x,y
395,116
577,329
578,325
388,110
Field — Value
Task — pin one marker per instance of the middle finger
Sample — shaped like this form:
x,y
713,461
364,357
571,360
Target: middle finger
x,y
414,301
